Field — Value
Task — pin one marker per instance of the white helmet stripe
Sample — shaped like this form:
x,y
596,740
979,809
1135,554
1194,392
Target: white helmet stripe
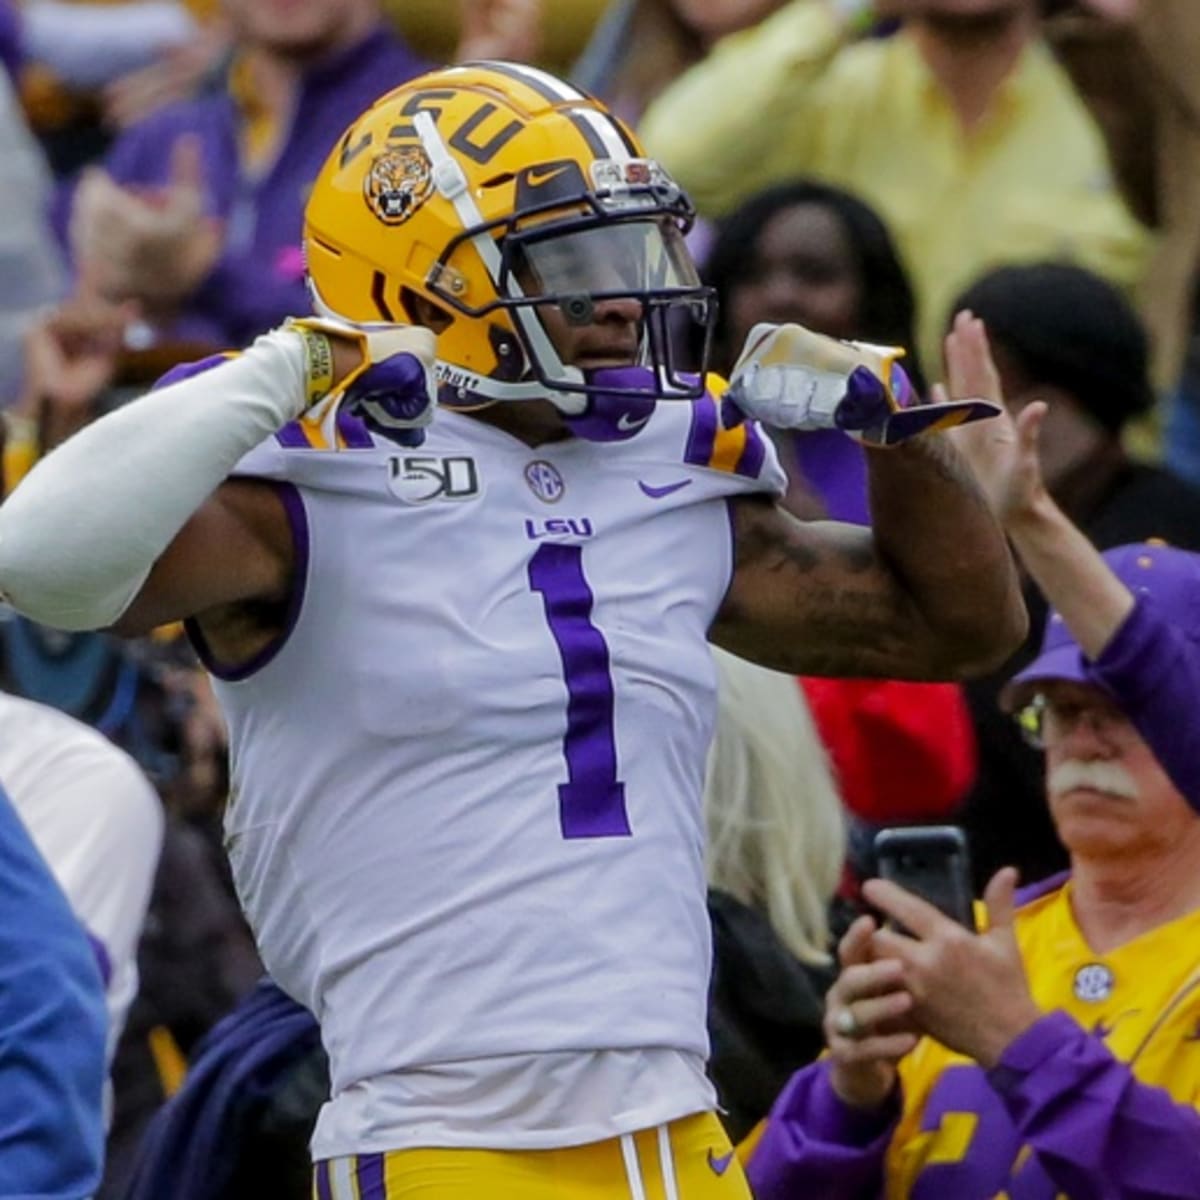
x,y
546,84
605,130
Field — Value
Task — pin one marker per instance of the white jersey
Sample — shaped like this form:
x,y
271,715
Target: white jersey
x,y
97,822
465,816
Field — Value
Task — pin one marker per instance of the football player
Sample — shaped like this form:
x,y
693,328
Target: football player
x,y
463,653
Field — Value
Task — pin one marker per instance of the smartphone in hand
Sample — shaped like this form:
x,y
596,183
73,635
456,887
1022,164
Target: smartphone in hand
x,y
931,861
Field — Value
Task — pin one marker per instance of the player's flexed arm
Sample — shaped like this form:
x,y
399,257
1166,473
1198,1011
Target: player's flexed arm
x,y
130,523
931,591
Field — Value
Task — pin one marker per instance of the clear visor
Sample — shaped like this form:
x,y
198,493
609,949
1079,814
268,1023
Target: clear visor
x,y
620,258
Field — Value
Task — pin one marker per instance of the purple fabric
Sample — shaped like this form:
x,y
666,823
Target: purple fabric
x,y
754,453
1043,887
256,284
353,430
11,55
391,397
1171,576
103,958
616,417
835,467
369,1175
702,437
324,1187
292,437
865,404
1151,666
189,370
1096,1133
592,801
814,1145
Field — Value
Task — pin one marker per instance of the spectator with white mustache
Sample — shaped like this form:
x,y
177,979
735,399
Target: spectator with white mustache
x,y
1056,1052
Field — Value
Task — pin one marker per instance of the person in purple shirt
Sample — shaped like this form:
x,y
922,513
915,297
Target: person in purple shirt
x,y
196,213
1057,1052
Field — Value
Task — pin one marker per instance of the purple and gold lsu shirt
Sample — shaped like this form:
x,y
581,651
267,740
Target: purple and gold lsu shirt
x,y
1099,1099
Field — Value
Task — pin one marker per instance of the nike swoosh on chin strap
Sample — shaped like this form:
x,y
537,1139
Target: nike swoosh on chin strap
x,y
657,493
625,422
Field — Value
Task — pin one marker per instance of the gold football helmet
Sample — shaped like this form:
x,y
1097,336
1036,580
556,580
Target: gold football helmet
x,y
489,189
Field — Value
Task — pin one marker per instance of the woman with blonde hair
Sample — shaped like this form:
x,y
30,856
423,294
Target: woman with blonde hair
x,y
776,845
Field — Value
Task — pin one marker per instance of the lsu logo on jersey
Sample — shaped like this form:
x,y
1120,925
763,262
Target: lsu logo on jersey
x,y
558,527
421,478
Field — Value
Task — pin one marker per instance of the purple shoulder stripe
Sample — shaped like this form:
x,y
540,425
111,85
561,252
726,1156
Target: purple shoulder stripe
x,y
291,437
702,436
182,371
750,463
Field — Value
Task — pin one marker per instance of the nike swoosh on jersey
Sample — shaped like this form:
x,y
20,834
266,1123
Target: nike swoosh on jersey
x,y
657,493
720,1164
625,424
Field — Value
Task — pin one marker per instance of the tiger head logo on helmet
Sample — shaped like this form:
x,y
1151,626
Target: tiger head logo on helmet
x,y
398,182
482,193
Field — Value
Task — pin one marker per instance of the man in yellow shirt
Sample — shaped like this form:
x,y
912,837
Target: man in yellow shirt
x,y
1059,1050
961,129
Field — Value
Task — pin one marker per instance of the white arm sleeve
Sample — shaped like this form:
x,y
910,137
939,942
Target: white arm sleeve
x,y
80,534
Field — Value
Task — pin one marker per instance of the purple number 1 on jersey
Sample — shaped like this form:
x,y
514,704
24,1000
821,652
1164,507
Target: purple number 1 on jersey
x,y
592,801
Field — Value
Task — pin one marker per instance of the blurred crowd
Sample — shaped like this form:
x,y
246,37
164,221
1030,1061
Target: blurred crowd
x,y
866,169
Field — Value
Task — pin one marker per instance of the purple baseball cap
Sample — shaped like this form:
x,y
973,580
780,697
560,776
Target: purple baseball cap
x,y
1171,577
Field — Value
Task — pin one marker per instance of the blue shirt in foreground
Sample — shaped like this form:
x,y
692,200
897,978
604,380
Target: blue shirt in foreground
x,y
53,1025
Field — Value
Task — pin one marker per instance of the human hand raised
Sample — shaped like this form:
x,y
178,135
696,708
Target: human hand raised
x,y
71,352
865,1010
1003,454
499,29
154,246
968,990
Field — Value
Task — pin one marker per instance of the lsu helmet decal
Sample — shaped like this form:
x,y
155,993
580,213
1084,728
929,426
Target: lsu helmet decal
x,y
488,190
397,183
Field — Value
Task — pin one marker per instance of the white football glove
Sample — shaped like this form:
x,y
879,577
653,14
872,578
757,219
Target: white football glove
x,y
393,389
791,378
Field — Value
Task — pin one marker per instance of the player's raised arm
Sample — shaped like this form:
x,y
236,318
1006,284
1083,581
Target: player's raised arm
x,y
130,522
930,591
